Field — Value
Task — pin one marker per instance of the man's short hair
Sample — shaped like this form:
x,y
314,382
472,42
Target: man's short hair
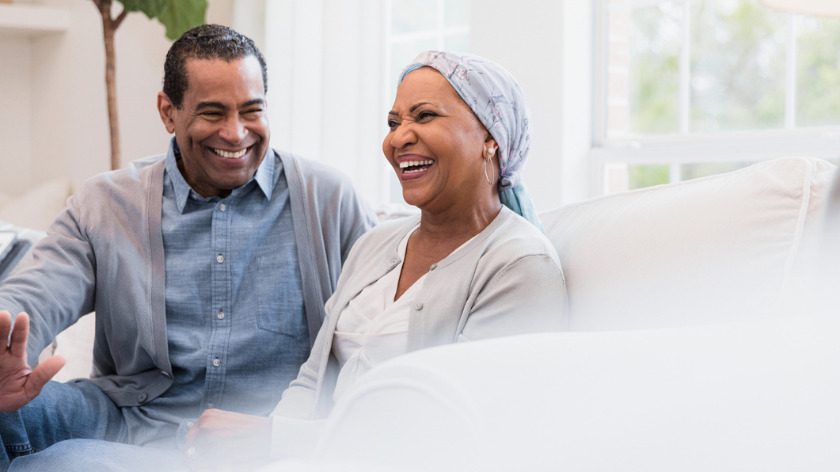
x,y
205,42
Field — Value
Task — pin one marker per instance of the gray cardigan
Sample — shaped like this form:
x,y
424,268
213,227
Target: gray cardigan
x,y
505,281
104,253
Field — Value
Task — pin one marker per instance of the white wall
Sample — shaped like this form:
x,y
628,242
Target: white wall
x,y
56,85
326,84
15,114
546,46
329,104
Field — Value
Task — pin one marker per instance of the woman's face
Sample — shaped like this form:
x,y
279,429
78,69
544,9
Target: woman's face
x,y
435,145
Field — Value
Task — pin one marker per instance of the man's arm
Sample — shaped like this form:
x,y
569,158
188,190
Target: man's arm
x,y
19,384
55,286
356,218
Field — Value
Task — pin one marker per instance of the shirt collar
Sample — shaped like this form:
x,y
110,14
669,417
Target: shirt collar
x,y
264,177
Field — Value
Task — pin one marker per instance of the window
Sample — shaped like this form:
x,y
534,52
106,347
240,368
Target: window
x,y
697,87
417,26
421,25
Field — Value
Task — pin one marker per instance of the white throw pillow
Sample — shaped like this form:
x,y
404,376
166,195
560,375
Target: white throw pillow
x,y
712,249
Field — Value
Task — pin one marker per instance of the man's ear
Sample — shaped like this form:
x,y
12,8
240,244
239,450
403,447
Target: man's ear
x,y
167,112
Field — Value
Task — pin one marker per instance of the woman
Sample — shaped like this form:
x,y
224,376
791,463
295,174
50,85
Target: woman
x,y
466,268
472,265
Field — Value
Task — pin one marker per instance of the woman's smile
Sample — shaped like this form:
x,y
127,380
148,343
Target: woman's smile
x,y
414,167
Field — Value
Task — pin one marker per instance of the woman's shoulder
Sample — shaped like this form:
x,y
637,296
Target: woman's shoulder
x,y
389,230
517,236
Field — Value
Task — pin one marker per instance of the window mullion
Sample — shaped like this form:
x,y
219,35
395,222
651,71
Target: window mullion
x,y
790,73
675,169
441,24
685,70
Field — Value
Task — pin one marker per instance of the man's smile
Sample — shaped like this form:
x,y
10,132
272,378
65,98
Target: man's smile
x,y
230,154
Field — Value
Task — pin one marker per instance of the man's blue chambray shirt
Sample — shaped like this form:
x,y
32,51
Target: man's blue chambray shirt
x,y
235,320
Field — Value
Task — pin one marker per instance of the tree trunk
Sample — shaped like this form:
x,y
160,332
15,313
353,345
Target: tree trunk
x,y
109,27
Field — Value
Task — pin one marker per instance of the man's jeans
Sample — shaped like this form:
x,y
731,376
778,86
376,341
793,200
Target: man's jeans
x,y
92,455
60,412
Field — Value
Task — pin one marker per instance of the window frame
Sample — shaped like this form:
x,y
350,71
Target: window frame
x,y
440,33
684,147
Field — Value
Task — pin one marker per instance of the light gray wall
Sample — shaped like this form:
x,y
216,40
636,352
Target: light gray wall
x,y
546,46
54,122
327,88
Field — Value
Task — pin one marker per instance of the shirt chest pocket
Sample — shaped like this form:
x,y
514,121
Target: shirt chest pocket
x,y
279,295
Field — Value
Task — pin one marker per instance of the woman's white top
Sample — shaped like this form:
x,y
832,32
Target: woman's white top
x,y
505,281
373,327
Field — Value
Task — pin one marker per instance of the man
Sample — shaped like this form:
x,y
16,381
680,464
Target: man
x,y
208,268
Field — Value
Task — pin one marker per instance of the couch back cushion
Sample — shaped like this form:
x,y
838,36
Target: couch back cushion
x,y
720,248
37,208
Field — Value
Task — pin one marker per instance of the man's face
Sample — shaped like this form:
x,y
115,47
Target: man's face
x,y
222,126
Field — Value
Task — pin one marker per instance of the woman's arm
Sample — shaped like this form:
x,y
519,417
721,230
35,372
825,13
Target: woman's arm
x,y
527,295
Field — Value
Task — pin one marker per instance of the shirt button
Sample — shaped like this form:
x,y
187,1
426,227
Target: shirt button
x,y
190,424
142,397
433,267
395,261
217,362
220,258
222,207
220,315
210,405
418,306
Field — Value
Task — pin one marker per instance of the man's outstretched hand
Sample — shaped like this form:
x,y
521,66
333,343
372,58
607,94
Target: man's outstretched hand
x,y
19,384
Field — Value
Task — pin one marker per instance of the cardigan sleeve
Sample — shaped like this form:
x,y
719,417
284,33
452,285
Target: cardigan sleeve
x,y
56,286
528,295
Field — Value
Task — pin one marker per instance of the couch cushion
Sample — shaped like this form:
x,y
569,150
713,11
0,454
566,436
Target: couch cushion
x,y
729,397
712,249
38,207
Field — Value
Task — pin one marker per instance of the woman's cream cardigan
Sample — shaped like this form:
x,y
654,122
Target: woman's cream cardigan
x,y
505,281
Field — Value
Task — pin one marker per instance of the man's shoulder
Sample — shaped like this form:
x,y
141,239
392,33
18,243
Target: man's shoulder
x,y
133,172
311,171
126,181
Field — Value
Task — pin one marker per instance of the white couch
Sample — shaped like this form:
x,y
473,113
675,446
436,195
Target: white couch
x,y
696,345
689,347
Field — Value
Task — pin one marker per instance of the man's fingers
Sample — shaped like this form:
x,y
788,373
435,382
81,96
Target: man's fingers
x,y
5,326
42,374
20,333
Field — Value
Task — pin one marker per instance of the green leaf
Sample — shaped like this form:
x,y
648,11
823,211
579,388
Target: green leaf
x,y
182,15
152,8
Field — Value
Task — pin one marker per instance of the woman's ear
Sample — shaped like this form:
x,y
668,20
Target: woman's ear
x,y
490,147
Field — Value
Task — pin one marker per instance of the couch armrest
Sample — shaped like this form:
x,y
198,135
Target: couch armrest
x,y
731,397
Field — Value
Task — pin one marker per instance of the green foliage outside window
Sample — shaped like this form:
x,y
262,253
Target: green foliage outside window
x,y
737,74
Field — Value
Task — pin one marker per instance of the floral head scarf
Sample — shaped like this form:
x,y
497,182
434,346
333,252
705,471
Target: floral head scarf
x,y
497,100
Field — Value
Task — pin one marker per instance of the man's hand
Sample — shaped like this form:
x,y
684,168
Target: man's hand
x,y
222,439
19,384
